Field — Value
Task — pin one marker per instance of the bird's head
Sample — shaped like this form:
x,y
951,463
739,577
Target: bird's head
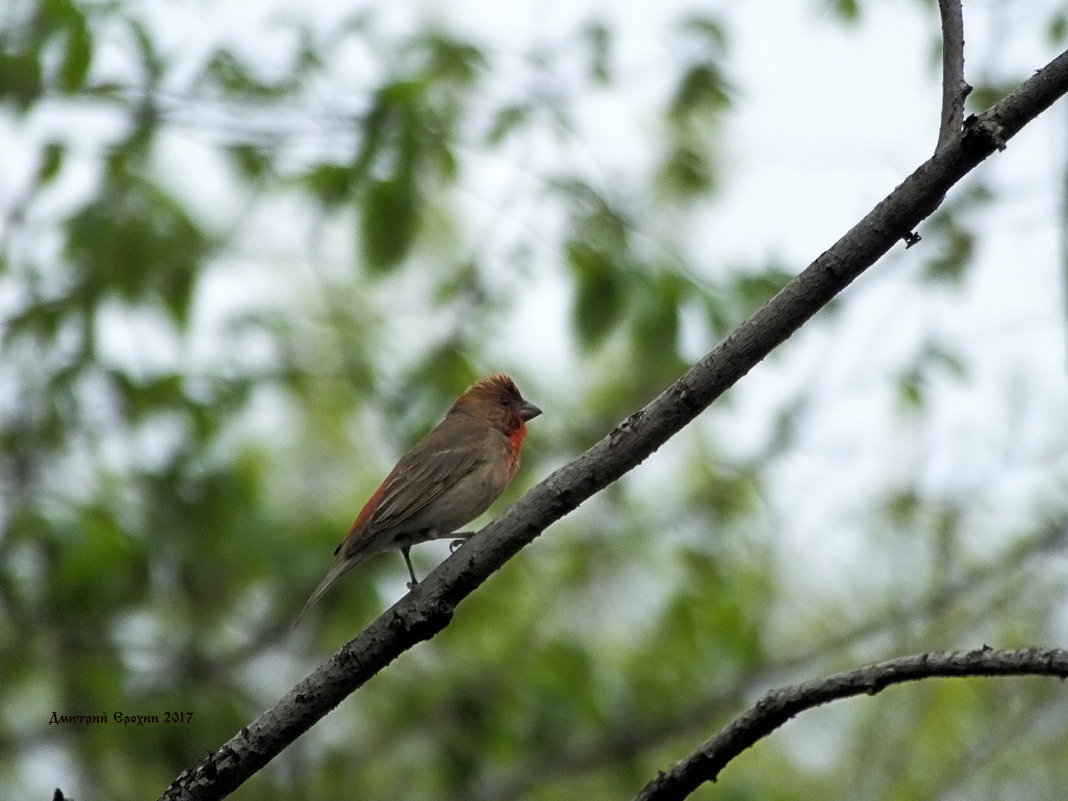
x,y
497,400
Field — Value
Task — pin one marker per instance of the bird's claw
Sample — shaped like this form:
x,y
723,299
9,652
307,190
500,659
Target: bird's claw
x,y
455,544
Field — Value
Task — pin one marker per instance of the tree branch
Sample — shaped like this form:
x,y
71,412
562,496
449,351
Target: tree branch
x,y
778,706
428,609
954,88
582,756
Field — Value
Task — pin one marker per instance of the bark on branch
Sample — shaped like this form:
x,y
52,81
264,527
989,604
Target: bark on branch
x,y
429,608
778,706
954,88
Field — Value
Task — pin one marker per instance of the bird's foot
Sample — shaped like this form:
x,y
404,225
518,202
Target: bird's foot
x,y
461,538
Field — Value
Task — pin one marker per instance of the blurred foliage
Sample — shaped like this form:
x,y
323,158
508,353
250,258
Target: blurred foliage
x,y
233,288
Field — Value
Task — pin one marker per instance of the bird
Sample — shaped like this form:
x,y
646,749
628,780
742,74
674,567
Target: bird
x,y
445,481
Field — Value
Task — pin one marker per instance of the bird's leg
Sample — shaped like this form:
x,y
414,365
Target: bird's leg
x,y
461,538
408,561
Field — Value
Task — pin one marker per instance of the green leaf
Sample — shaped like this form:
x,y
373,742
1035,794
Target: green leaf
x,y
388,222
331,184
912,392
599,296
505,121
401,94
151,61
655,332
51,162
443,157
703,89
78,54
847,11
453,60
142,398
233,76
686,172
250,161
98,544
21,81
139,242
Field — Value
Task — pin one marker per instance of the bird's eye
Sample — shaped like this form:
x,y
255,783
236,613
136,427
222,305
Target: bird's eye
x,y
506,401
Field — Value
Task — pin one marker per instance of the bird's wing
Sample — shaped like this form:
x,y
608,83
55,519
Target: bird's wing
x,y
418,480
420,477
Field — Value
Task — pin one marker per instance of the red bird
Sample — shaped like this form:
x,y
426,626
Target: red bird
x,y
447,480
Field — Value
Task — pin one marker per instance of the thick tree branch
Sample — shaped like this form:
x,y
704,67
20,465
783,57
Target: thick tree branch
x,y
954,88
429,608
778,706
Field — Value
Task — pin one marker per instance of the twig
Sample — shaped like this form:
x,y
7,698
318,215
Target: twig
x,y
778,706
954,87
581,757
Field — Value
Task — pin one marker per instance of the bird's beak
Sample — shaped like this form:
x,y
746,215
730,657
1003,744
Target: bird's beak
x,y
528,411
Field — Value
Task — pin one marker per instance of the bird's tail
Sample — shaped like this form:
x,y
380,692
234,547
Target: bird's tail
x,y
341,566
